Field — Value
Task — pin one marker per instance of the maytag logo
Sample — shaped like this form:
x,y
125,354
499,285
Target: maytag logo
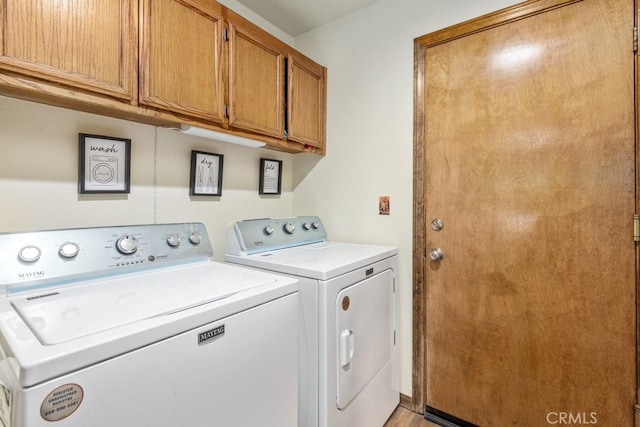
x,y
31,275
210,335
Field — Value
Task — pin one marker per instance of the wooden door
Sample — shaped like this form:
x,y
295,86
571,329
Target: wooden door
x,y
181,57
306,101
529,163
256,80
86,44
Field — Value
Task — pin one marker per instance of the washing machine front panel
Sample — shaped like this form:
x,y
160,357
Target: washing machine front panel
x,y
206,376
364,335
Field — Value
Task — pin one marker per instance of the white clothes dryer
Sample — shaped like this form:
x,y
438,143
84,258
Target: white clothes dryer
x,y
135,326
349,361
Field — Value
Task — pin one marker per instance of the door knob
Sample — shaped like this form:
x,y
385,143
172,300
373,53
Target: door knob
x,y
436,255
437,224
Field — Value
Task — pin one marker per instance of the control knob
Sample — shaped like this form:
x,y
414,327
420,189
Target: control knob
x,y
195,238
127,245
29,254
306,226
69,250
315,225
268,230
289,228
174,240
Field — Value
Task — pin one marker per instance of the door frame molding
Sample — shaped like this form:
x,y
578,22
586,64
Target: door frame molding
x,y
421,44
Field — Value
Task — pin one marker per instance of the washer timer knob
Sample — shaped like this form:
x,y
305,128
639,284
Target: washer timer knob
x,y
29,254
69,250
289,228
127,245
174,240
195,238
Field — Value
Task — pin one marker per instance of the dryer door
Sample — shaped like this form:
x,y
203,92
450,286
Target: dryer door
x,y
365,333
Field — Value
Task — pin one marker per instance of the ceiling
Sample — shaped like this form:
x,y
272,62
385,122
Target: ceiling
x,y
296,17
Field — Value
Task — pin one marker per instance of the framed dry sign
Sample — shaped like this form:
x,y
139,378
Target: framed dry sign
x,y
104,164
206,174
270,176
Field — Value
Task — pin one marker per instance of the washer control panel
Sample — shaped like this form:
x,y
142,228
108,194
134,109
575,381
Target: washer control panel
x,y
267,234
35,258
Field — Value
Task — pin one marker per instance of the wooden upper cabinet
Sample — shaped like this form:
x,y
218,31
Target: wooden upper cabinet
x,y
181,57
256,80
306,101
85,44
171,61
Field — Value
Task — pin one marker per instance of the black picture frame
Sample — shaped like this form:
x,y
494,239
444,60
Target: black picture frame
x,y
206,174
270,176
104,164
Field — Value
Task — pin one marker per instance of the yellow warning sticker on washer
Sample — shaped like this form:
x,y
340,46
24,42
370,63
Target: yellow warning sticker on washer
x,y
61,402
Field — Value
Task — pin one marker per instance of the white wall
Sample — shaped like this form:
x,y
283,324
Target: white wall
x,y
39,175
369,55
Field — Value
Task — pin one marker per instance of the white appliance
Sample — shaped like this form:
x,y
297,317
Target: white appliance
x,y
349,361
135,326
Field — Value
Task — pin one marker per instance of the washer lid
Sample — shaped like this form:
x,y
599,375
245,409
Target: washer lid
x,y
67,313
321,261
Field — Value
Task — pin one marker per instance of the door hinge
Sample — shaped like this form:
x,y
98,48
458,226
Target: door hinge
x,y
226,111
635,39
636,228
226,34
394,337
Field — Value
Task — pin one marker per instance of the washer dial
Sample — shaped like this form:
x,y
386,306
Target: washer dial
x,y
127,245
29,254
174,240
195,238
69,250
289,228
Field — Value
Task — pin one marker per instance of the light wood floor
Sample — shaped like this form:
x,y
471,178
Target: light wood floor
x,y
403,417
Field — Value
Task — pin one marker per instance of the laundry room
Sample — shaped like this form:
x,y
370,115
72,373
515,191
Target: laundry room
x,y
361,181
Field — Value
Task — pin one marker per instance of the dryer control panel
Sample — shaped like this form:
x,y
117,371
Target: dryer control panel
x,y
44,258
267,234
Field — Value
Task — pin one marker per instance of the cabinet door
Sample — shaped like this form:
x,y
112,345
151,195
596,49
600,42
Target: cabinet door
x,y
256,82
181,57
86,44
306,101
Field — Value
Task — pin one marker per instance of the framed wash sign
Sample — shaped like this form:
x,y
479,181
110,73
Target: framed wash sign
x,y
270,176
206,174
104,164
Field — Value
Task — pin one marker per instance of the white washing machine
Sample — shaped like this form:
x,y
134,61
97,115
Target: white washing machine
x,y
349,362
135,326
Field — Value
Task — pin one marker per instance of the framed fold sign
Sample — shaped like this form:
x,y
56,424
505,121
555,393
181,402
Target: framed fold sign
x,y
104,164
270,176
206,174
